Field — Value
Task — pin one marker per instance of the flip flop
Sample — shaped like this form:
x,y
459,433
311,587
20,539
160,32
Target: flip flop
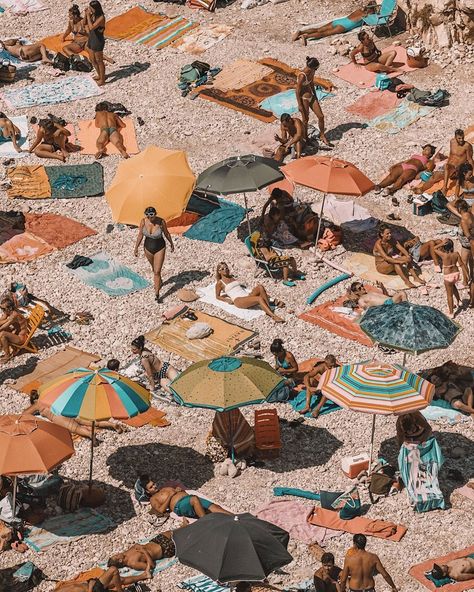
x,y
289,284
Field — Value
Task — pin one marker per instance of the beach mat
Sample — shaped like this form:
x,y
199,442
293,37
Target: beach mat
x,y
6,148
54,366
215,227
240,73
299,402
56,230
66,528
208,295
28,182
164,33
24,247
131,22
56,44
200,40
151,416
64,90
84,576
88,134
400,118
226,338
109,276
247,99
418,572
363,266
374,104
286,102
77,180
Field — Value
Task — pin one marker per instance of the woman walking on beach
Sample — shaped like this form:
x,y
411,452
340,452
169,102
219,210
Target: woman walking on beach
x,y
95,27
154,230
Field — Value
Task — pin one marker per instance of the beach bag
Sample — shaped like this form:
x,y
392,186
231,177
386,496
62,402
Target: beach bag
x,y
189,74
332,237
436,99
80,64
20,578
327,498
439,202
348,504
281,395
61,62
7,72
70,497
382,81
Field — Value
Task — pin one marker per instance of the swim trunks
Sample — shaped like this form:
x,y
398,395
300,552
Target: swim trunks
x,y
167,545
184,508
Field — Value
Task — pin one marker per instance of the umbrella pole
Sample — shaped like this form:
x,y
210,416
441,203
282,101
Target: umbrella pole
x,y
247,213
15,485
372,444
404,359
92,454
320,221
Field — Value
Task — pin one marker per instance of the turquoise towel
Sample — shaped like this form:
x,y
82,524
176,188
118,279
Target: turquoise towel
x,y
297,492
404,115
443,581
218,224
66,528
285,102
299,403
202,584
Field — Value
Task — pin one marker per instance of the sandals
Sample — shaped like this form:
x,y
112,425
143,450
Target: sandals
x,y
19,547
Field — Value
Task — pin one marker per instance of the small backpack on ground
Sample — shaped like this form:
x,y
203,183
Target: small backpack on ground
x,y
61,62
439,202
189,74
80,64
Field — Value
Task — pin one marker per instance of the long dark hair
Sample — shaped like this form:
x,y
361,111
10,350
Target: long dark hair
x,y
139,342
464,170
75,11
97,8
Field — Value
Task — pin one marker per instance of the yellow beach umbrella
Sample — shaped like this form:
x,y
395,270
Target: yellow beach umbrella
x,y
156,177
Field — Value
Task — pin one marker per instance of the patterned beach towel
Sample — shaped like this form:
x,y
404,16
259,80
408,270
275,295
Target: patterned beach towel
x,y
285,102
202,584
71,88
165,33
78,180
404,115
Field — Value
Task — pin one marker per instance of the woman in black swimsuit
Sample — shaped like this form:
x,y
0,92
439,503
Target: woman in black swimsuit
x,y
95,27
154,230
373,59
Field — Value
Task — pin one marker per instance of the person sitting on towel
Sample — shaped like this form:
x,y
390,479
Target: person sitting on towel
x,y
13,328
292,134
358,296
373,59
327,576
185,505
33,52
459,570
311,381
9,132
413,428
52,141
110,580
110,126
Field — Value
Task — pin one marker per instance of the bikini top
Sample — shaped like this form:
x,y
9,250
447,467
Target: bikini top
x,y
423,159
157,234
373,52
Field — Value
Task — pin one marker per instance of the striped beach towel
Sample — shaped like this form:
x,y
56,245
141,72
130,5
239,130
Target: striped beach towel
x,y
165,33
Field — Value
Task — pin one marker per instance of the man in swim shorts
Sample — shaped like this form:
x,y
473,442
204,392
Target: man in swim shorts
x,y
364,300
460,570
175,499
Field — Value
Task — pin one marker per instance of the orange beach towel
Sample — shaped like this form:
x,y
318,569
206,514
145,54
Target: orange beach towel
x,y
55,43
135,20
88,135
418,572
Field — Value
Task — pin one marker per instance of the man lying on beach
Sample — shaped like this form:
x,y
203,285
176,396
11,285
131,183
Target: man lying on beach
x,y
292,134
110,126
460,570
109,581
311,380
359,296
26,53
179,501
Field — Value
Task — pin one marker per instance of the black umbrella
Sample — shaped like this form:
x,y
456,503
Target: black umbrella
x,y
229,548
240,174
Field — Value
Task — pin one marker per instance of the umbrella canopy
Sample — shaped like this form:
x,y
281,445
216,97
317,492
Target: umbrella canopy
x,y
29,445
409,327
156,177
328,175
240,174
94,395
230,548
374,387
226,383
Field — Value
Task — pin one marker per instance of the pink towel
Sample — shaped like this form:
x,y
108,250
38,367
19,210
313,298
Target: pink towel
x,y
466,492
373,104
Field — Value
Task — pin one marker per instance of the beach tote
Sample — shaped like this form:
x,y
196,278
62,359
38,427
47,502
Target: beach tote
x,y
348,504
382,81
327,498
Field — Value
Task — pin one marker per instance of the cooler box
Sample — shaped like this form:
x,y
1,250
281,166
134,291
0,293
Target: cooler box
x,y
353,465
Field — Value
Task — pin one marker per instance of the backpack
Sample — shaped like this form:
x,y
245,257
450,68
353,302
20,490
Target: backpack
x,y
189,74
202,67
439,202
80,64
61,62
382,81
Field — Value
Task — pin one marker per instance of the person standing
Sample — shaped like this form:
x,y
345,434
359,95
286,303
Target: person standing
x,y
360,566
95,27
460,152
154,230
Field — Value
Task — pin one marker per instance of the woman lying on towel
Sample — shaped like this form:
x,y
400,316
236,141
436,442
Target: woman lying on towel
x,y
9,132
228,289
403,172
32,52
159,374
337,26
373,59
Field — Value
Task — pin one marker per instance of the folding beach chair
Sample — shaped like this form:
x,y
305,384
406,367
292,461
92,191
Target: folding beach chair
x,y
262,264
385,17
267,433
34,321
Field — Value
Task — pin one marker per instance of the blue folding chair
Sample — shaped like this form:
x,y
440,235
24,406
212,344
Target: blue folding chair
x,y
261,264
385,17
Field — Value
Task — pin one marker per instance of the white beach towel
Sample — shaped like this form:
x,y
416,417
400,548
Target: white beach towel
x,y
208,295
22,6
6,148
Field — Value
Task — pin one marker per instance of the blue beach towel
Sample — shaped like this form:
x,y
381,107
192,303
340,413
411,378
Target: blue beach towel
x,y
279,491
109,276
218,224
299,402
441,409
285,102
160,565
404,115
202,584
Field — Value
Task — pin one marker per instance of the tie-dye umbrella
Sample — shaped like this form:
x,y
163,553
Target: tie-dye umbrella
x,y
94,395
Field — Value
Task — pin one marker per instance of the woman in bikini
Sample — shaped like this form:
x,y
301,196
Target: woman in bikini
x,y
373,59
154,230
13,328
159,374
9,132
76,28
95,27
51,141
391,257
466,235
403,172
228,289
285,363
307,99
111,126
452,260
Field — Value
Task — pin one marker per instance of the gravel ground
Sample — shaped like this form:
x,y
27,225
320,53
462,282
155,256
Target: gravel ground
x,y
311,453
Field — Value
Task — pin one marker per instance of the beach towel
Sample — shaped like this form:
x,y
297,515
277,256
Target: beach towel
x,y
239,74
153,417
420,570
56,44
363,266
88,134
54,366
361,235
279,491
466,491
226,338
339,211
160,564
6,148
233,431
285,102
404,115
66,528
200,40
208,295
419,467
84,576
202,584
374,104
442,410
164,33
23,6
109,276
77,180
299,402
58,231
215,227
247,98
183,223
28,182
370,527
23,247
291,515
63,90
131,22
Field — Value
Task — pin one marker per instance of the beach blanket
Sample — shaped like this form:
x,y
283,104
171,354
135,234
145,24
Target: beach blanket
x,y
165,32
247,98
58,231
280,491
363,78
54,366
23,247
66,528
419,467
200,40
363,266
215,227
239,74
370,527
361,235
78,180
28,182
226,338
442,410
153,417
285,102
64,90
131,22
84,576
404,115
56,44
160,564
202,584
109,276
374,104
88,134
291,515
23,6
208,295
420,571
6,148
299,402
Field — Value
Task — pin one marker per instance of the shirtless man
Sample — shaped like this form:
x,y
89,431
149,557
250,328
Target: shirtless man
x,y
292,134
460,570
311,380
110,125
13,328
327,576
51,141
364,300
144,557
360,566
185,505
460,152
459,397
27,53
108,581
